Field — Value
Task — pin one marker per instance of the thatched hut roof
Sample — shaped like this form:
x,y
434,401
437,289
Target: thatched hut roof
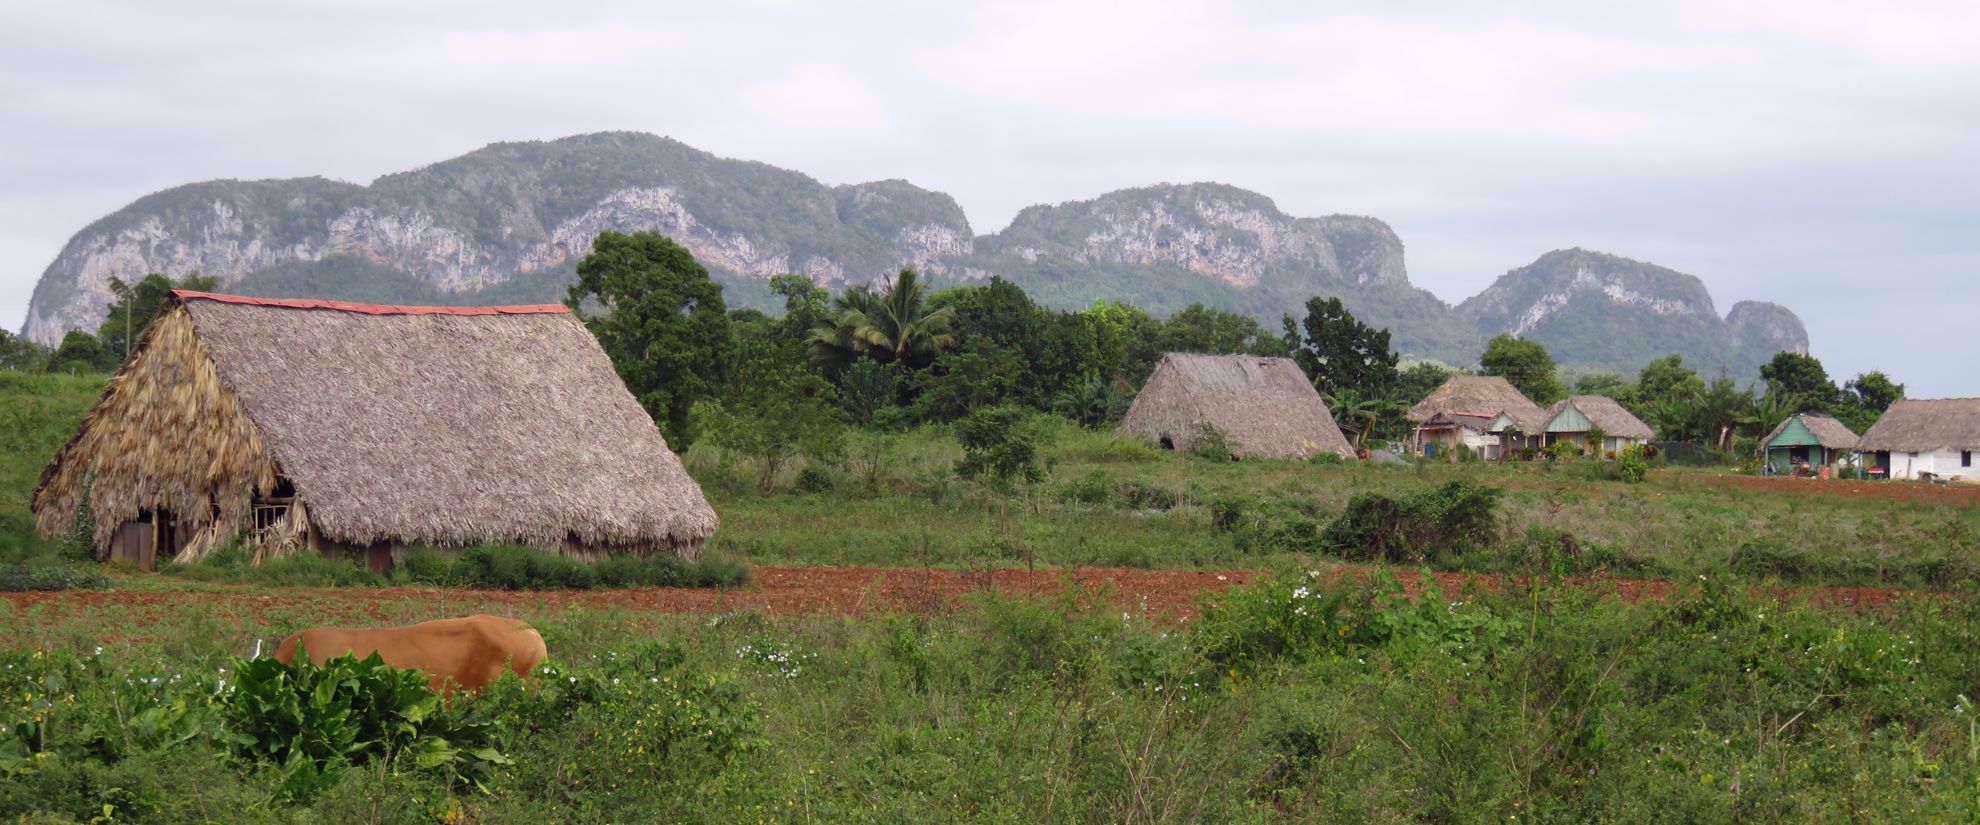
x,y
1603,411
1265,407
1828,432
446,426
1478,395
1916,425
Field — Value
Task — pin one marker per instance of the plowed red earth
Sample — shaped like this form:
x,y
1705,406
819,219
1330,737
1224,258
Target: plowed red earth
x,y
1169,595
1955,494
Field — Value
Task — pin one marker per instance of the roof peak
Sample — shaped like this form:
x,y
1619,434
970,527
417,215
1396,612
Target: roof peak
x,y
368,309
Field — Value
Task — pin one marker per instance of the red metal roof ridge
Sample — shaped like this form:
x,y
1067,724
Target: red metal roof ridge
x,y
367,309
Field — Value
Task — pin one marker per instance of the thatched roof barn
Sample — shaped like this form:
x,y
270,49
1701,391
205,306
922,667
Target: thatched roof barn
x,y
1475,395
343,426
1577,414
1918,436
1265,407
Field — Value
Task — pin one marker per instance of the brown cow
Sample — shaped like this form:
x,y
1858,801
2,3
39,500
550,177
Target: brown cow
x,y
456,654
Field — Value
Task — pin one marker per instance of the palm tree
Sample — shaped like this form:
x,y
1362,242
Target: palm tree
x,y
1349,405
893,324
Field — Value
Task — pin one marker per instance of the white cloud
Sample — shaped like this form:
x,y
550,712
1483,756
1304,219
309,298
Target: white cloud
x,y
1786,149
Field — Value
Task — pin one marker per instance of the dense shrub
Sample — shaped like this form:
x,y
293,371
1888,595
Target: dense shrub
x,y
41,575
1444,521
1634,464
1135,494
314,723
1000,445
515,567
1093,488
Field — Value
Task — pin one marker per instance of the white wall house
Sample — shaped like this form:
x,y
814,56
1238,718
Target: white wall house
x,y
1919,438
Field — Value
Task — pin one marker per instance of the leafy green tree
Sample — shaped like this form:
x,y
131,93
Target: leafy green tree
x,y
17,353
806,305
1800,377
894,323
1362,414
662,321
1865,398
1092,401
1339,352
979,375
1774,407
134,305
1723,411
998,319
1602,383
1000,445
1668,378
1524,364
782,412
1873,391
1418,381
82,352
1199,328
867,387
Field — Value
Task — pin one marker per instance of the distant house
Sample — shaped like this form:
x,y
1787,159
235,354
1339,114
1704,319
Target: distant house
x,y
1517,431
1462,412
351,429
1807,439
1264,407
1575,419
1918,437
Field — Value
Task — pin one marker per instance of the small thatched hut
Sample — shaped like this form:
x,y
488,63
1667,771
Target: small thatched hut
x,y
1807,440
1264,407
350,428
1464,410
1920,436
1574,419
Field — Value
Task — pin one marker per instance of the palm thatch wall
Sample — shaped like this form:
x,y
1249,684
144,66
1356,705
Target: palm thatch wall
x,y
395,426
1264,407
168,435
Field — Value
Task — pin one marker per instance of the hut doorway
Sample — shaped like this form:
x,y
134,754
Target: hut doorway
x,y
1168,443
140,541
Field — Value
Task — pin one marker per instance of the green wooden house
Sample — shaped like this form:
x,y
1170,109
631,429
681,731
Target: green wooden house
x,y
1807,439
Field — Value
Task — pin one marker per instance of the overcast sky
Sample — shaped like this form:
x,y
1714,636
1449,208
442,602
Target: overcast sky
x,y
1825,155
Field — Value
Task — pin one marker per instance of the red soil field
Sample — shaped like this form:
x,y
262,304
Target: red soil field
x,y
1164,595
1955,494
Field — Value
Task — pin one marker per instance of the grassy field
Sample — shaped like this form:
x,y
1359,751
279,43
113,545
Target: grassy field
x,y
1285,700
1110,501
893,499
1282,703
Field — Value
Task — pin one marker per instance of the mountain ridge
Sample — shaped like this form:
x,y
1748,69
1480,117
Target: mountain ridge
x,y
510,220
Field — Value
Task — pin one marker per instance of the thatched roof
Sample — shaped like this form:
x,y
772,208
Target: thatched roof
x,y
1265,407
445,426
1603,411
1478,395
1828,432
1914,425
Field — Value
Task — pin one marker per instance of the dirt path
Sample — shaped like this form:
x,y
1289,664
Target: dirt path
x,y
795,591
